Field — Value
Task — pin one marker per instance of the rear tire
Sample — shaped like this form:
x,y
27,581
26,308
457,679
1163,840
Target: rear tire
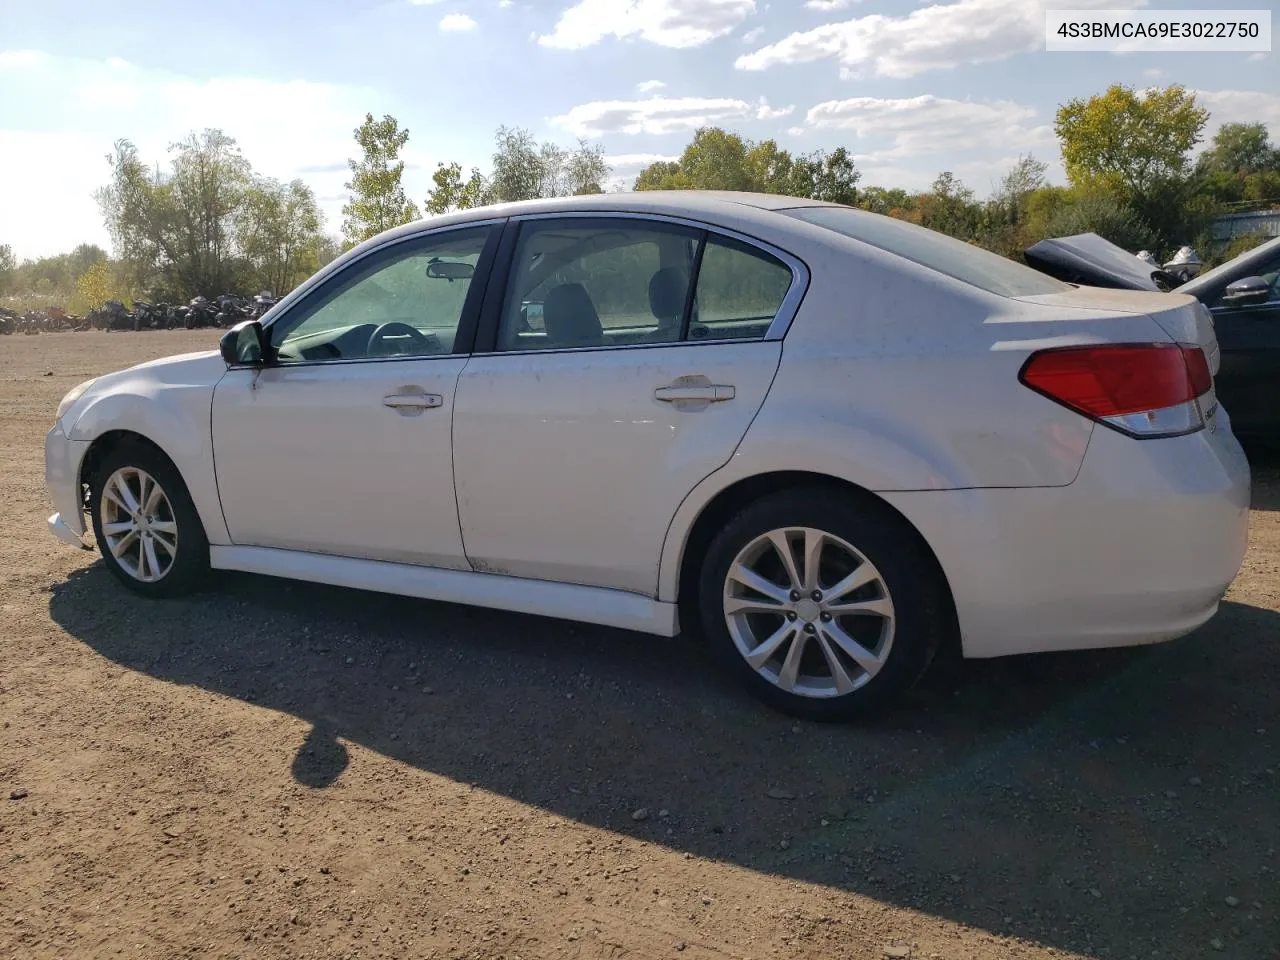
x,y
148,531
834,639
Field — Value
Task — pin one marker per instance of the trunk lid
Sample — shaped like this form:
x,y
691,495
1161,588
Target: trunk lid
x,y
1182,318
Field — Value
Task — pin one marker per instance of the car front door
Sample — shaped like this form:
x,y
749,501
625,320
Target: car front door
x,y
1248,380
576,438
342,444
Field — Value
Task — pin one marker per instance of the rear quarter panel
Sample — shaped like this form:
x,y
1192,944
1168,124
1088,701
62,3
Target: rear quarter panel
x,y
896,378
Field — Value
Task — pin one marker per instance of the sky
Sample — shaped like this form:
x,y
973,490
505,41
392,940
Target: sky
x,y
911,88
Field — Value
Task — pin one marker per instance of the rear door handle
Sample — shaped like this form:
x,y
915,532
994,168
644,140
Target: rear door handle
x,y
710,393
412,401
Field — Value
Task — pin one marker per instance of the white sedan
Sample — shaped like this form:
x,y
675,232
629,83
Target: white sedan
x,y
827,442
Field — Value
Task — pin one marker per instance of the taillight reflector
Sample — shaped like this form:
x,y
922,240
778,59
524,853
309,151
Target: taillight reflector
x,y
1105,381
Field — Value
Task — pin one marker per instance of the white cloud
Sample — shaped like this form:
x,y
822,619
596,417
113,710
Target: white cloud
x,y
668,23
635,162
923,125
657,115
504,4
1240,106
826,6
425,3
935,37
62,115
649,86
1153,73
1260,55
766,112
457,23
752,35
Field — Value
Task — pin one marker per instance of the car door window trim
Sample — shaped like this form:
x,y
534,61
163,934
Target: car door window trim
x,y
495,298
465,338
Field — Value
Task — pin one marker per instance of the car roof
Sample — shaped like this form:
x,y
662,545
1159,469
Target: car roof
x,y
715,206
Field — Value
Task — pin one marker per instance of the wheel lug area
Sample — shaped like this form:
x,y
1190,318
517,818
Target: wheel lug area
x,y
791,614
808,628
816,596
795,595
826,617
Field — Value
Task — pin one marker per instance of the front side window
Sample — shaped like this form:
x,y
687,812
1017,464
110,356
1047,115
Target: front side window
x,y
406,302
596,283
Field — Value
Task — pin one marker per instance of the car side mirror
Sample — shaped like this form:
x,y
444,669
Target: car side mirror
x,y
1247,292
245,344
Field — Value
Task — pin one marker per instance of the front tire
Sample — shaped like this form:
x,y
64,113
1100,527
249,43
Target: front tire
x,y
826,605
146,525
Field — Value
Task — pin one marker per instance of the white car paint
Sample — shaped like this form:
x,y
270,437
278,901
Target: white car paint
x,y
621,461
384,492
576,490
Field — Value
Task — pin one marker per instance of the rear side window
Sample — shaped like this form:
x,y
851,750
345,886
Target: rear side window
x,y
937,251
740,290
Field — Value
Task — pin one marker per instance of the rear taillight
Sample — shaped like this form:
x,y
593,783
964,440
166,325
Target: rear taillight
x,y
1141,389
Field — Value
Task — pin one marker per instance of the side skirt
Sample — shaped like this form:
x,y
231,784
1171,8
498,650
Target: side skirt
x,y
565,601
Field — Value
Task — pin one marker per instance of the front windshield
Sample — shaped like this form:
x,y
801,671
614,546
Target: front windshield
x,y
937,251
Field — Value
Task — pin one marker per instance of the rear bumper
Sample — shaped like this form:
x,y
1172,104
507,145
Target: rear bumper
x,y
62,459
1139,549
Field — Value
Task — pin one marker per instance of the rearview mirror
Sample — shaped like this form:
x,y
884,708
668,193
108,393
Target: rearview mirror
x,y
1247,292
450,270
245,344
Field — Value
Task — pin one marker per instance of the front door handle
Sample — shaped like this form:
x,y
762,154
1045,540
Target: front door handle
x,y
706,393
412,401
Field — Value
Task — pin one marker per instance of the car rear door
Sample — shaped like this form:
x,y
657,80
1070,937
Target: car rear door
x,y
575,444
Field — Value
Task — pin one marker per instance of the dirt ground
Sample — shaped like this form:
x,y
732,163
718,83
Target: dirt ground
x,y
280,770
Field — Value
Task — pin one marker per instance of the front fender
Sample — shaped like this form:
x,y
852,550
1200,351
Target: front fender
x,y
179,425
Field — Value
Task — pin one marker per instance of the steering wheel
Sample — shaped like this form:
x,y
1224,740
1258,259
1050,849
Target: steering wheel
x,y
424,342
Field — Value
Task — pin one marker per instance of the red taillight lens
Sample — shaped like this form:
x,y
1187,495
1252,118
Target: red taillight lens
x,y
1197,370
1109,381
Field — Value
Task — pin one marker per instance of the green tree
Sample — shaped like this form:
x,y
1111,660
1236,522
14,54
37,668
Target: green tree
x,y
280,234
718,159
200,202
451,192
525,170
1128,142
585,170
1240,148
517,166
130,209
949,207
889,202
660,175
1100,214
94,288
832,177
8,269
378,201
175,231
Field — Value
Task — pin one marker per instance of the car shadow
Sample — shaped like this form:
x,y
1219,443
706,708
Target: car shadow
x,y
1033,796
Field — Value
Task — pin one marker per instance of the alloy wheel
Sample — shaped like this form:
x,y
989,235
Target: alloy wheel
x,y
138,524
809,612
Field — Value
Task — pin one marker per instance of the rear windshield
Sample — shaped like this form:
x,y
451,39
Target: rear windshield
x,y
955,258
